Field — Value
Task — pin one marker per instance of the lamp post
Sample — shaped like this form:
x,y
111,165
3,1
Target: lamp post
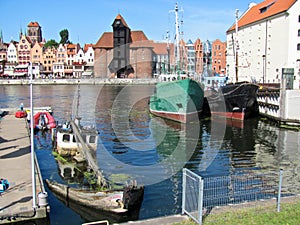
x,y
34,205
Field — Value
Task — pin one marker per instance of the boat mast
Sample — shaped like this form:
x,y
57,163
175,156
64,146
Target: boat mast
x,y
168,50
236,45
177,40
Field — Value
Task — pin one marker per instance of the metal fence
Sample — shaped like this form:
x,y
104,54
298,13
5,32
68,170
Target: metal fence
x,y
192,195
201,195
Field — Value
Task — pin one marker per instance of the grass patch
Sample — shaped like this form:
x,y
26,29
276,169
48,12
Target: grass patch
x,y
288,215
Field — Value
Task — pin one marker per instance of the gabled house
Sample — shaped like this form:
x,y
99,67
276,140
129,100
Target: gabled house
x,y
37,53
198,46
59,65
163,53
72,50
79,57
218,56
191,58
12,55
268,40
24,50
49,57
89,54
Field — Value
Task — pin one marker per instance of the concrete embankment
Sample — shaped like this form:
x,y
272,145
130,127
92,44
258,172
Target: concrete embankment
x,y
16,203
165,220
91,81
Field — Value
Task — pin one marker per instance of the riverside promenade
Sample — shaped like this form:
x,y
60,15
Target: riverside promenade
x,y
74,81
16,203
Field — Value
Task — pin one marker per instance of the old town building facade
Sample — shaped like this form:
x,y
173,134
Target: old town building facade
x,y
266,42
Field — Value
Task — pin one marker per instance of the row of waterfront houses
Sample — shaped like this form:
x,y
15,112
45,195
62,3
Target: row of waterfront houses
x,y
264,42
138,57
70,60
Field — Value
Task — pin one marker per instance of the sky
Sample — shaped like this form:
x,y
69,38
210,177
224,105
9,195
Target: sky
x,y
87,20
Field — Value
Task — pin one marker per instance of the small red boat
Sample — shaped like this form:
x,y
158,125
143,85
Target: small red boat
x,y
44,120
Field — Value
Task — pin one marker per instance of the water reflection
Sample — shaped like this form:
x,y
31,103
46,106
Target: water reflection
x,y
146,147
279,149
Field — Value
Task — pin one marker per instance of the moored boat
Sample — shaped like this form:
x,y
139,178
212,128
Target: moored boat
x,y
116,205
65,141
235,101
177,97
44,120
179,100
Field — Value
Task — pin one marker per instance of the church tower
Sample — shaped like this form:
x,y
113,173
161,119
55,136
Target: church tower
x,y
34,32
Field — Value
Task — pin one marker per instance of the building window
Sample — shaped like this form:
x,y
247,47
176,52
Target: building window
x,y
298,47
299,19
298,33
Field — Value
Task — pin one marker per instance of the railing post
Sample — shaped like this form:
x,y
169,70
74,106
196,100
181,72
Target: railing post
x,y
279,190
200,200
183,191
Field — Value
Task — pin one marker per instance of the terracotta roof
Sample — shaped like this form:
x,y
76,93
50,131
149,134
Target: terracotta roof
x,y
33,24
263,10
161,48
106,40
138,36
119,17
86,47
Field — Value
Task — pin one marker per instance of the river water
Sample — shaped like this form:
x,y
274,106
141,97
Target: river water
x,y
133,144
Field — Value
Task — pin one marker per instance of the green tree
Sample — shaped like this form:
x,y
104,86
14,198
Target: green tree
x,y
51,43
64,36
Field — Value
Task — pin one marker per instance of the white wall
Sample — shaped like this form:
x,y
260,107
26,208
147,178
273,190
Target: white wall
x,y
292,107
276,38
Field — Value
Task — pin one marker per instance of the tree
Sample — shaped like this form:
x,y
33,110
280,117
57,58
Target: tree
x,y
64,35
51,43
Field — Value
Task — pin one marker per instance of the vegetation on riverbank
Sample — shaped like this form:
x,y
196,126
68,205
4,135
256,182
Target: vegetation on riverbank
x,y
288,215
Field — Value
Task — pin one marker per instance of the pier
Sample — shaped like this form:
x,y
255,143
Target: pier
x,y
16,203
280,105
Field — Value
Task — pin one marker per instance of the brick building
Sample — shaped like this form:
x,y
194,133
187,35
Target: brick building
x,y
218,57
34,32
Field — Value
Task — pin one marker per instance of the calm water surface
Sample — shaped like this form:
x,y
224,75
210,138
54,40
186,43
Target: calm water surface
x,y
136,145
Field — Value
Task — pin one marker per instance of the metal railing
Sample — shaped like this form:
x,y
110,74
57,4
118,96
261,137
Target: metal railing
x,y
201,195
192,195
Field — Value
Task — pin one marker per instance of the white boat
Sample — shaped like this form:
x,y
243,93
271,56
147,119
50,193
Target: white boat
x,y
65,140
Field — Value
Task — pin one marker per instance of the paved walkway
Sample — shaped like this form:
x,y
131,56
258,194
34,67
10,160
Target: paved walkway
x,y
15,166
